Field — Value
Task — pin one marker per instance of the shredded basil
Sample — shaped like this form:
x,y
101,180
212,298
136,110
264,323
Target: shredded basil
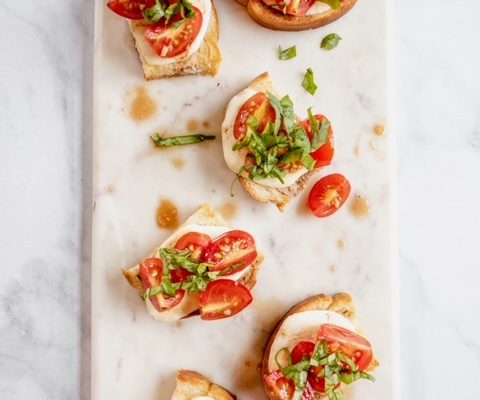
x,y
287,54
160,141
335,4
330,41
309,82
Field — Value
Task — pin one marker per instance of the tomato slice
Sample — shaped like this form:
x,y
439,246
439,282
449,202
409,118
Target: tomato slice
x,y
347,342
223,298
179,275
279,387
131,9
151,275
316,381
328,195
299,7
258,106
176,37
195,242
302,350
324,154
234,247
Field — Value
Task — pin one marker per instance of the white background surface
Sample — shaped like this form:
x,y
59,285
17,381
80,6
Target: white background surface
x,y
45,73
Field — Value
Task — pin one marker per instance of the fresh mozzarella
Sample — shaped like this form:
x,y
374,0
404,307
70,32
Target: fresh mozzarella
x,y
152,58
319,8
303,326
236,159
189,303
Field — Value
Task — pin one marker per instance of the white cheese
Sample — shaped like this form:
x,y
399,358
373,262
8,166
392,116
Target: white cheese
x,y
303,326
152,58
236,159
319,8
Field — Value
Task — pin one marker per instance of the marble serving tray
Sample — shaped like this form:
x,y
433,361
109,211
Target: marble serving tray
x,y
134,356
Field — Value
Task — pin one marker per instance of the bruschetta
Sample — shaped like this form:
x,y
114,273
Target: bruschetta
x,y
315,350
173,38
273,152
203,268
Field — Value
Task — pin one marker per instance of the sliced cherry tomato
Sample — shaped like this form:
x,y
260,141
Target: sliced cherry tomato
x,y
279,387
347,342
151,276
131,9
223,298
195,242
316,381
258,106
309,393
176,37
180,275
324,154
302,350
234,247
328,195
299,7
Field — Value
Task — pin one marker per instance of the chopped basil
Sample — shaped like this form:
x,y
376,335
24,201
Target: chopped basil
x,y
287,54
330,41
160,141
154,14
309,82
335,4
319,130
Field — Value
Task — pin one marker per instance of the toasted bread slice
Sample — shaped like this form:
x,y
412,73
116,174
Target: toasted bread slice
x,y
340,303
272,19
191,385
205,216
264,194
205,61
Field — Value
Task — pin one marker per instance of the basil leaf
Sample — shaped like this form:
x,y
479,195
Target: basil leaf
x,y
287,54
160,141
154,14
188,9
172,10
288,113
309,82
320,134
330,41
278,111
335,4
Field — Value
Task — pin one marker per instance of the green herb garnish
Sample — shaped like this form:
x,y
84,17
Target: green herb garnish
x,y
287,54
330,41
309,82
335,4
161,141
154,14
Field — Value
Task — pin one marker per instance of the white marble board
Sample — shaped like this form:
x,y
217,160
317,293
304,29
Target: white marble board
x,y
135,357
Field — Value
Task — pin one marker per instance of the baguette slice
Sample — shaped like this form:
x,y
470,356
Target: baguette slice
x,y
191,385
272,19
279,196
205,216
340,303
205,61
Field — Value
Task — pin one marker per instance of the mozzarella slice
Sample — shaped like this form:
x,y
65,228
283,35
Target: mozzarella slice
x,y
303,326
189,303
152,58
236,159
318,8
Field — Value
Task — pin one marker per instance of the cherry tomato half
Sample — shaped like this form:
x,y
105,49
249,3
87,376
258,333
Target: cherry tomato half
x,y
323,155
279,387
195,242
223,298
347,342
174,38
302,350
234,247
131,9
299,7
258,106
328,195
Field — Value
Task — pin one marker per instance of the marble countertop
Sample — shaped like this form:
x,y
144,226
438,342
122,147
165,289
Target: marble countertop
x,y
45,169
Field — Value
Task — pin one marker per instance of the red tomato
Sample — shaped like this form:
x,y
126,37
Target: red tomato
x,y
279,387
328,195
179,275
132,9
171,40
302,350
151,276
347,342
308,393
299,7
324,154
316,381
259,106
231,248
223,298
195,242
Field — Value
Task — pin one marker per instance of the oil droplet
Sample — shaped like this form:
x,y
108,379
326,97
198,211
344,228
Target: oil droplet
x,y
373,145
341,244
110,189
178,163
192,126
228,211
379,130
360,206
143,106
332,268
357,150
206,124
167,215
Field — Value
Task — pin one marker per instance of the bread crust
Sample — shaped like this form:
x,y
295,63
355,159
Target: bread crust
x,y
272,19
205,61
191,384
